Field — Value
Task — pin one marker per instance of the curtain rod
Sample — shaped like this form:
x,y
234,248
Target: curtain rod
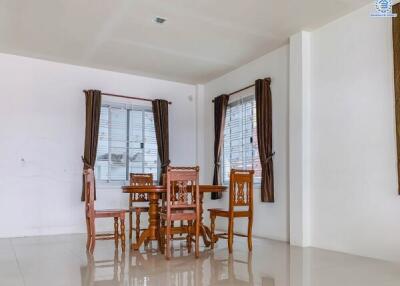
x,y
129,97
244,88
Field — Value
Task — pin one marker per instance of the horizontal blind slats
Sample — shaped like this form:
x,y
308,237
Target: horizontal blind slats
x,y
240,148
127,143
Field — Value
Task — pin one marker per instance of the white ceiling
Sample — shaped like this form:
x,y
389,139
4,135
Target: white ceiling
x,y
201,40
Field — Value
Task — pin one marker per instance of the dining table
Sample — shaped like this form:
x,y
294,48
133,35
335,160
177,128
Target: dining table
x,y
154,193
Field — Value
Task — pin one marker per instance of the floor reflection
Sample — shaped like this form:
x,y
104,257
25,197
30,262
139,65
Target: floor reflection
x,y
104,271
271,264
230,271
149,267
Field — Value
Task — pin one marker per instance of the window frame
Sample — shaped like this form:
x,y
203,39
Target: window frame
x,y
128,108
241,101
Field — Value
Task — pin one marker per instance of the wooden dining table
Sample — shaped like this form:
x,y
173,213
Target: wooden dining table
x,y
154,195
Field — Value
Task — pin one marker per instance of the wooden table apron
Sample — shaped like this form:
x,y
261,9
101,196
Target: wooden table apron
x,y
154,192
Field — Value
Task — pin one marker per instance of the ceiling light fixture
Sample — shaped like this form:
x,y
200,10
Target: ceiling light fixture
x,y
159,20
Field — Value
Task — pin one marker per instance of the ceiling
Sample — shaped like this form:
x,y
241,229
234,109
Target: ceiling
x,y
201,39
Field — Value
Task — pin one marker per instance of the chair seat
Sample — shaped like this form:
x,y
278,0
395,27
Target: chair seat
x,y
225,213
179,215
180,209
141,209
109,213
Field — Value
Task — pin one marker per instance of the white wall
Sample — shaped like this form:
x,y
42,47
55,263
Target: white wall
x,y
270,219
355,205
42,137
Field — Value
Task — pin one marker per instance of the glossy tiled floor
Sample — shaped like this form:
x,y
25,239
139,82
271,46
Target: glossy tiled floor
x,y
62,260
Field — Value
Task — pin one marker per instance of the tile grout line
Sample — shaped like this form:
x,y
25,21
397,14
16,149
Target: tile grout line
x,y
16,259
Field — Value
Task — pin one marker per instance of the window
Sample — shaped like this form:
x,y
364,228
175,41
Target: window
x,y
240,150
127,143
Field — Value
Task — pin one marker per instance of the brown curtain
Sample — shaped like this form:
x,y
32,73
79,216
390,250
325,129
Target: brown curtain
x,y
220,106
396,60
93,107
264,137
160,112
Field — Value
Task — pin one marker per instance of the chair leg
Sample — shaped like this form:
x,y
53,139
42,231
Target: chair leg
x,y
230,235
116,234
92,244
130,224
162,236
92,236
159,233
189,236
137,224
122,233
197,238
172,225
249,234
88,239
182,225
212,218
168,242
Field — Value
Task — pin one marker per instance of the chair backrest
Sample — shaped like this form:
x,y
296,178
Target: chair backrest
x,y
182,188
89,192
241,189
137,179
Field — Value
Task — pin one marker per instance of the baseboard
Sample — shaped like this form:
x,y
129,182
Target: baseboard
x,y
50,231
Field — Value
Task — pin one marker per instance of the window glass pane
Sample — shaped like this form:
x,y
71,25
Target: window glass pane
x,y
247,135
118,140
150,145
236,138
227,146
240,150
102,147
256,157
135,141
127,143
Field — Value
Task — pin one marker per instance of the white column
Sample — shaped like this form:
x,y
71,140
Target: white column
x,y
299,134
200,131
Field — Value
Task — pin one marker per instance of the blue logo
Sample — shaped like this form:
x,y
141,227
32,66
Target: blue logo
x,y
383,8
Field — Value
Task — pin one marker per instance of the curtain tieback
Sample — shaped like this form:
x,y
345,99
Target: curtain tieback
x,y
268,158
166,164
86,164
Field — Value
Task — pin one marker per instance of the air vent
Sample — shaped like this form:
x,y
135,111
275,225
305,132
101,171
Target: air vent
x,y
159,20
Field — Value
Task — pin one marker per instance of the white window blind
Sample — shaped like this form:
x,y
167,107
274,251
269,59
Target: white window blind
x,y
127,143
240,149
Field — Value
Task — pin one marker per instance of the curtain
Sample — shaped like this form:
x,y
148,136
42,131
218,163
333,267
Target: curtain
x,y
264,137
220,106
160,112
396,60
93,108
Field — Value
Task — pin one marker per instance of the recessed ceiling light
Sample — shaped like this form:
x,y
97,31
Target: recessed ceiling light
x,y
159,20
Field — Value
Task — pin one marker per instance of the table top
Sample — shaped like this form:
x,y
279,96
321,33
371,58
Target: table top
x,y
163,189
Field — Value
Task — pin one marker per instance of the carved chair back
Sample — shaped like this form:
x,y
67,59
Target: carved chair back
x,y
89,193
140,180
182,188
241,189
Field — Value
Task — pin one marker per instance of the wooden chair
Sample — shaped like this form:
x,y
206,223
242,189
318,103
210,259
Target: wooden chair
x,y
92,215
181,203
138,180
240,205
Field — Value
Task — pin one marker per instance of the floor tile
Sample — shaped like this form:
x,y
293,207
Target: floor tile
x,y
63,261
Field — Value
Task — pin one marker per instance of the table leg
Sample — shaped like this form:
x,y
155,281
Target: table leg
x,y
151,233
205,232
